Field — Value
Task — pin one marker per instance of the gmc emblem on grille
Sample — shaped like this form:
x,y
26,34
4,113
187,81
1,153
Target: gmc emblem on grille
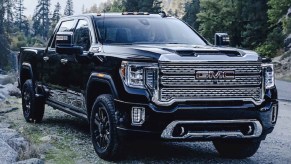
x,y
214,75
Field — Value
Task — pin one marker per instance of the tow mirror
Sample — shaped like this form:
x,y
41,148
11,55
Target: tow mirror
x,y
65,44
221,39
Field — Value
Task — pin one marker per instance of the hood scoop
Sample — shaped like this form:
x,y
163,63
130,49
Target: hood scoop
x,y
192,53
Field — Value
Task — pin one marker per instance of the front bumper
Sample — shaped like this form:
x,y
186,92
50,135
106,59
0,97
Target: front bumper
x,y
158,118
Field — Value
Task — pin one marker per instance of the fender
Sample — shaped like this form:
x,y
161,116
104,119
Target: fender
x,y
105,79
101,79
28,67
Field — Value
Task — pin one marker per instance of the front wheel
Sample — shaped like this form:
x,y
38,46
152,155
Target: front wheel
x,y
103,128
236,148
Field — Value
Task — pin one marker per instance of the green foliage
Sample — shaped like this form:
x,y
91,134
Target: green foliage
x,y
116,6
152,6
215,16
274,42
41,21
21,21
287,26
192,9
277,8
244,21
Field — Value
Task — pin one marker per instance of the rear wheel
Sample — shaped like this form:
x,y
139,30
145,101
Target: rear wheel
x,y
33,108
236,148
103,128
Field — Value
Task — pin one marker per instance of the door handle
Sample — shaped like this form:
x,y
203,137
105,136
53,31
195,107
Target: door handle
x,y
64,61
46,58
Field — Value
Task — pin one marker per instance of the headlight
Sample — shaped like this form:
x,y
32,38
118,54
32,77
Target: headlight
x,y
269,75
134,74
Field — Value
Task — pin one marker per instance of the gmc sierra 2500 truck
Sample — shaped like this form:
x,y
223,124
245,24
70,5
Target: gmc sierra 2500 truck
x,y
150,76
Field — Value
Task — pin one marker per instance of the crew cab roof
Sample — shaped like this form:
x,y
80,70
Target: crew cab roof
x,y
121,15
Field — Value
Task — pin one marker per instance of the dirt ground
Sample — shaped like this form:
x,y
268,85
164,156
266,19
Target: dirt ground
x,y
63,139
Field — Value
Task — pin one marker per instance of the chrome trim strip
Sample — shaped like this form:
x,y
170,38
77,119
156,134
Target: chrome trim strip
x,y
207,58
26,64
258,129
169,103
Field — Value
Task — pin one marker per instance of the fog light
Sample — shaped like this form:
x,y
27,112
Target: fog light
x,y
137,116
274,113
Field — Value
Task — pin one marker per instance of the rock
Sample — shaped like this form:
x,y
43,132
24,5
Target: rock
x,y
7,154
44,148
9,90
20,145
7,110
4,125
50,138
6,134
31,161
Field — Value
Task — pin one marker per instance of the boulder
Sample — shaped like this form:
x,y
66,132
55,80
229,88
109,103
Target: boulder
x,y
7,154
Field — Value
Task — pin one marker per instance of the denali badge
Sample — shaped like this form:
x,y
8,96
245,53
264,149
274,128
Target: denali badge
x,y
214,75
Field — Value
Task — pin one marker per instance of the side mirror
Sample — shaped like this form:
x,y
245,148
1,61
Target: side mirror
x,y
221,39
65,44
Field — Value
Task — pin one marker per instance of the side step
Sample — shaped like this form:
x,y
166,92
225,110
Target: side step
x,y
67,110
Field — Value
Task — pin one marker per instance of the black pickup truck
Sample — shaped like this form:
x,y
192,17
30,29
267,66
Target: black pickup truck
x,y
150,76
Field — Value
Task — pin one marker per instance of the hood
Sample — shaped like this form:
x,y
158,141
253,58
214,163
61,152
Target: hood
x,y
181,53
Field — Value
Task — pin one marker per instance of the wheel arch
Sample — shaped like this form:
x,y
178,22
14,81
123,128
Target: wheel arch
x,y
25,73
97,85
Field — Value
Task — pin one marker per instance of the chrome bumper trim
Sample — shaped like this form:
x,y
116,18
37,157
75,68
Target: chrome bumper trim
x,y
168,132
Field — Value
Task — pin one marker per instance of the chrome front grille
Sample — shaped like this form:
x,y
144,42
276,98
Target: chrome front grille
x,y
178,82
192,81
240,68
167,94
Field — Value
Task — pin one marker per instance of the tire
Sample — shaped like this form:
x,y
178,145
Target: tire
x,y
33,109
103,128
237,149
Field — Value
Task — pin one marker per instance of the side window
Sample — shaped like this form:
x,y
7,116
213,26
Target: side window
x,y
82,35
66,26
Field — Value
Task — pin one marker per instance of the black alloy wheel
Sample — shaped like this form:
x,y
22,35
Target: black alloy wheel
x,y
103,128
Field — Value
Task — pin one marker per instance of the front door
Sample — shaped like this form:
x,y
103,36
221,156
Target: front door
x,y
76,70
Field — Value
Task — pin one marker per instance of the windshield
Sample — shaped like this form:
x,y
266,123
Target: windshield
x,y
137,30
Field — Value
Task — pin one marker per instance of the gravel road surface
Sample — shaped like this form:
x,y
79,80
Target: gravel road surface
x,y
284,90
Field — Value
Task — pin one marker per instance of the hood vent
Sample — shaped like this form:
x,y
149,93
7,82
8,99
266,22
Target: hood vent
x,y
192,53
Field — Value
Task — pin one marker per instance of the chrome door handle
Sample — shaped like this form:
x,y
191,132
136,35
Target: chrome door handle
x,y
64,61
46,58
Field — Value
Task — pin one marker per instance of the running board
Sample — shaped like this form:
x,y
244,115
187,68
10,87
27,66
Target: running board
x,y
67,110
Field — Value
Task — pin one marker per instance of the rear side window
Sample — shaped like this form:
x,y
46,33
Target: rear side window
x,y
82,35
66,26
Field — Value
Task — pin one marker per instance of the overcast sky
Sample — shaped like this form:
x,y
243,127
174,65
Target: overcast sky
x,y
31,4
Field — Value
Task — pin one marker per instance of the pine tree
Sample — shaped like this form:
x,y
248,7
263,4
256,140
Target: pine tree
x,y
69,9
41,22
245,21
56,14
2,14
9,16
4,50
192,9
152,6
20,19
